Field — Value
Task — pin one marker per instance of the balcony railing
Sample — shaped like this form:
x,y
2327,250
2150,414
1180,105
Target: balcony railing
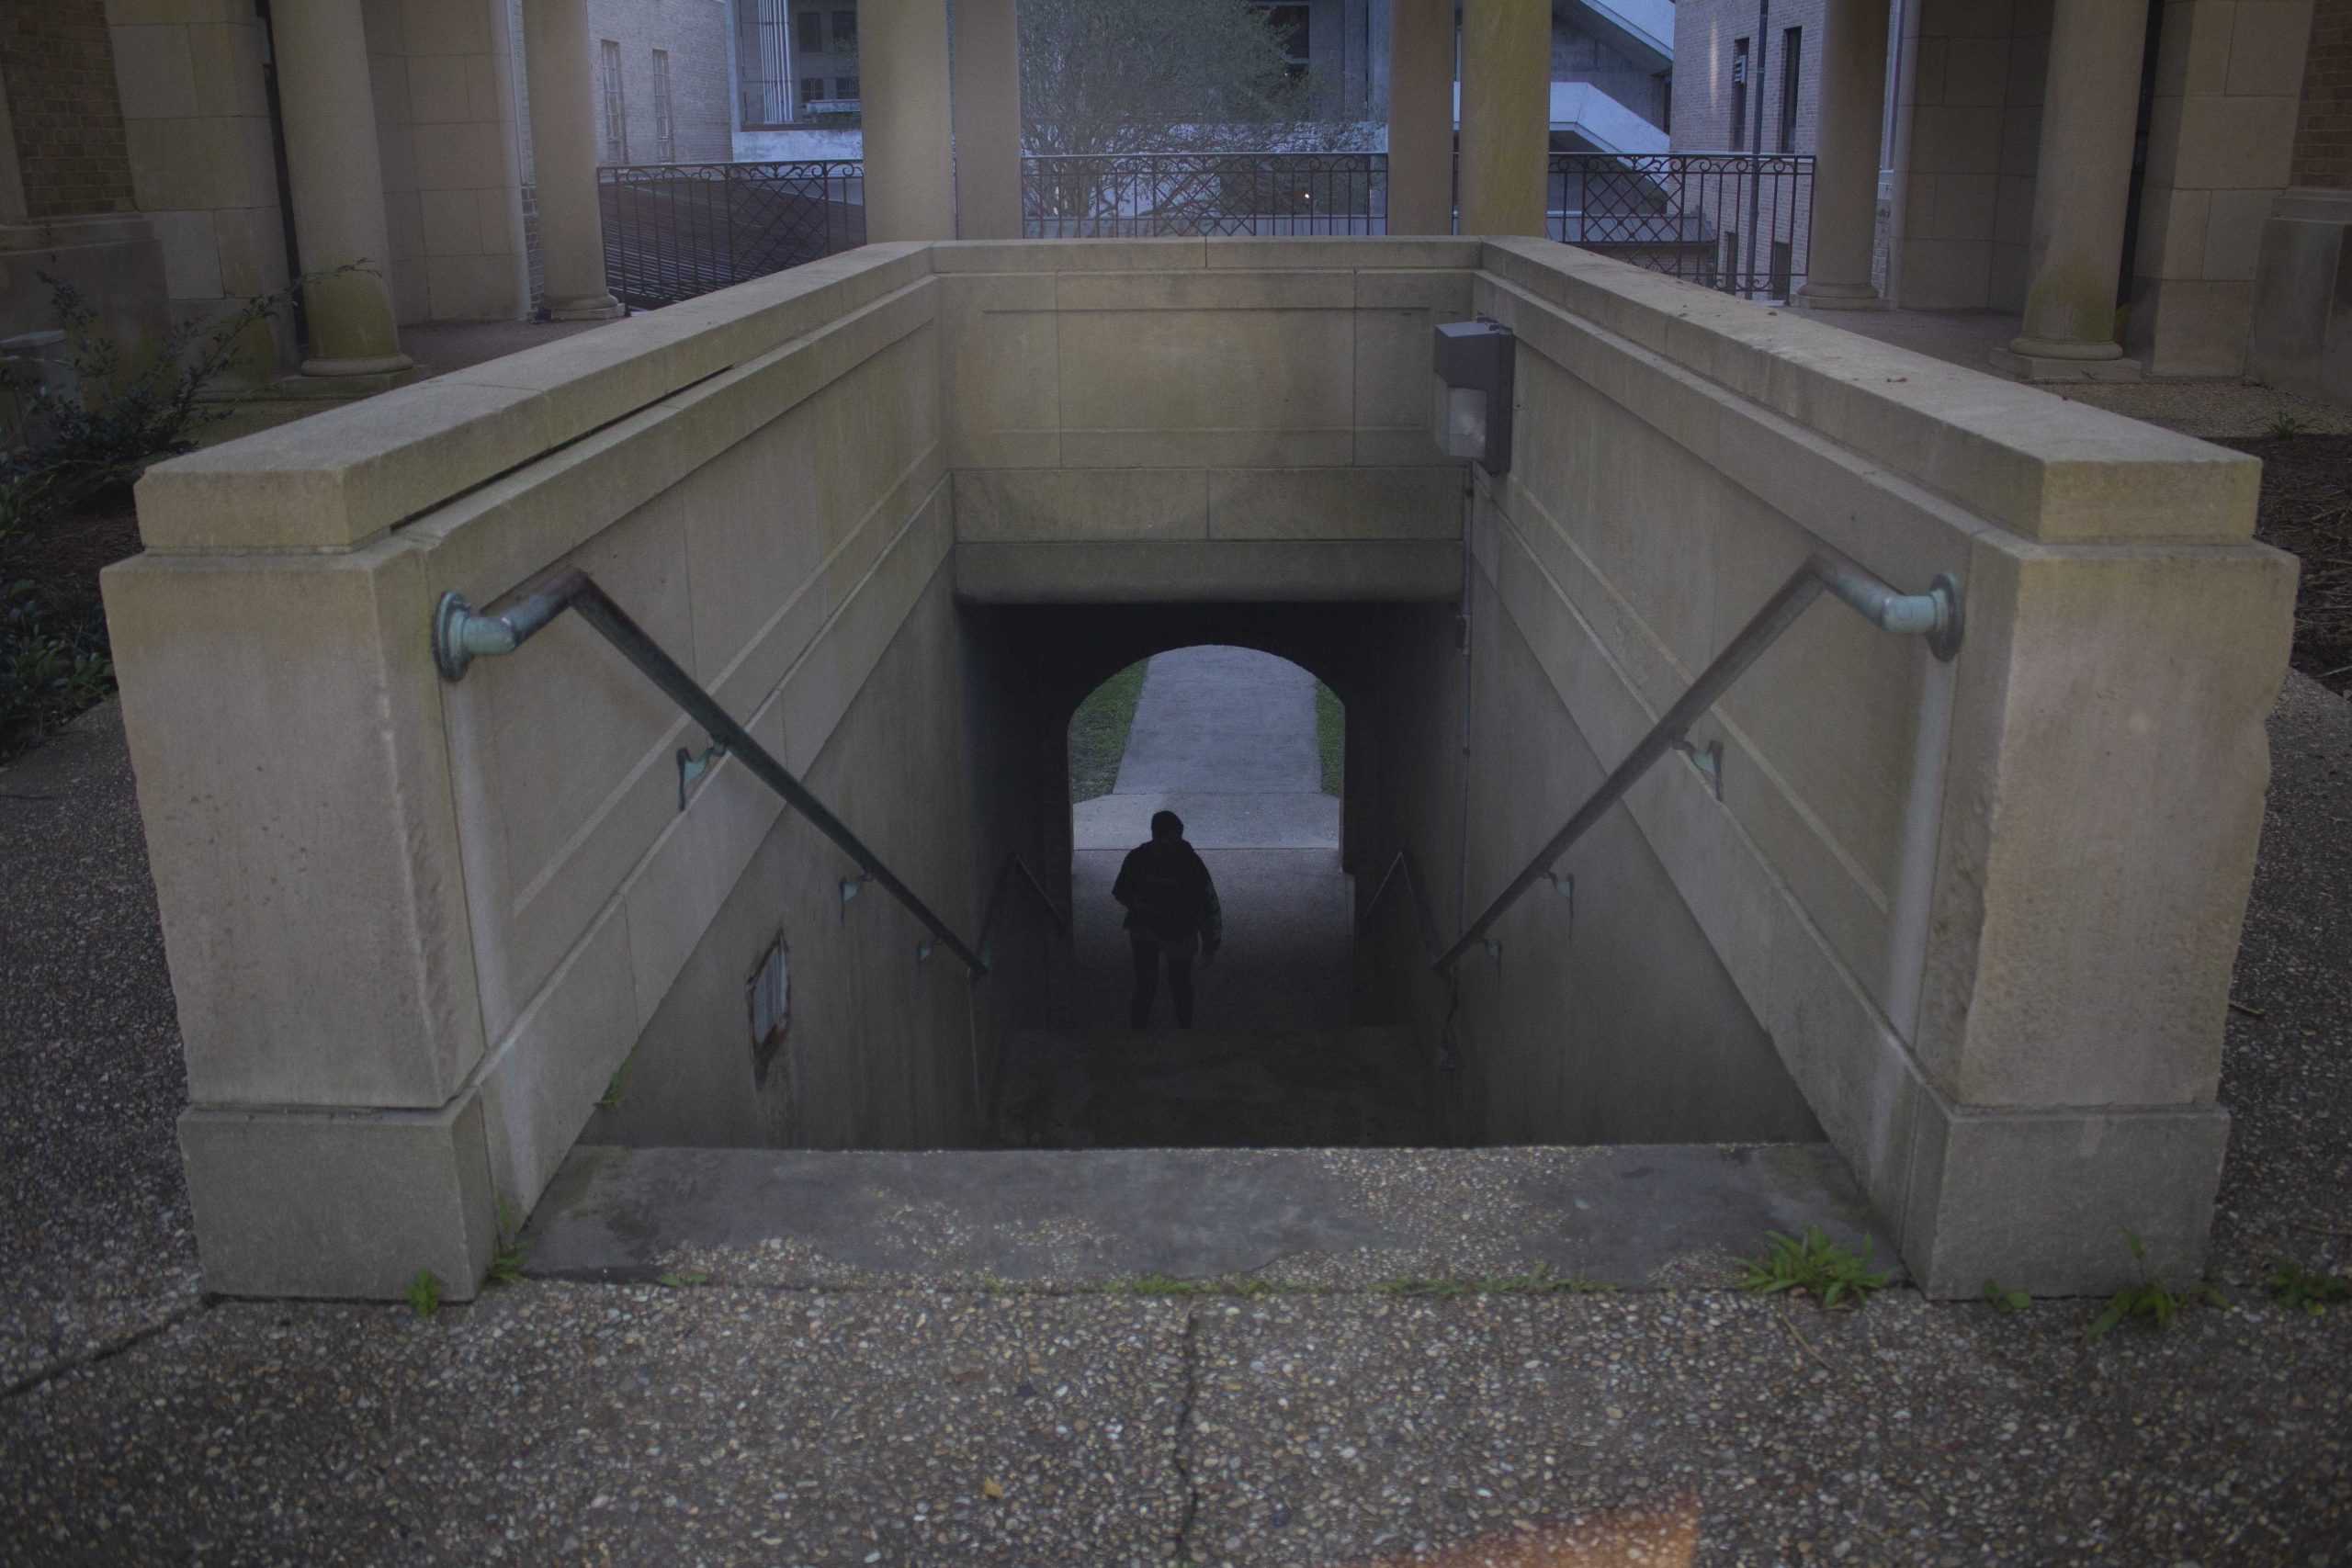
x,y
1738,221
673,231
1084,195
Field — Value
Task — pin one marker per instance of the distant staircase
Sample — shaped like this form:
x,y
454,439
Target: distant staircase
x,y
1182,1088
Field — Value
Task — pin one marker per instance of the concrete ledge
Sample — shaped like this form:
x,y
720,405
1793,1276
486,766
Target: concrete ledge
x,y
1153,571
1630,1214
2035,465
337,478
346,1204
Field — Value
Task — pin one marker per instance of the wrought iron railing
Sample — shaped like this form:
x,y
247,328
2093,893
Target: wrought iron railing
x,y
673,231
1084,195
1739,221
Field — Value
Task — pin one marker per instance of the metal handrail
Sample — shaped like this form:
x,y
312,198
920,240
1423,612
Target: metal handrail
x,y
1402,865
462,634
1013,863
1935,615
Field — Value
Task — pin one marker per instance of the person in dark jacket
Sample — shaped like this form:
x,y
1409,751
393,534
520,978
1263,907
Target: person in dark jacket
x,y
1172,913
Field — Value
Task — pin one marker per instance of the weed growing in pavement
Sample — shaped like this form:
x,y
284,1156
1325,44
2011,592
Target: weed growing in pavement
x,y
1540,1280
2151,1300
682,1279
2003,1299
2287,426
425,1293
1814,1265
1172,1285
506,1263
615,1086
2291,1285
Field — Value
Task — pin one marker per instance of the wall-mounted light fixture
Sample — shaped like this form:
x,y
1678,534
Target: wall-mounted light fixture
x,y
1474,361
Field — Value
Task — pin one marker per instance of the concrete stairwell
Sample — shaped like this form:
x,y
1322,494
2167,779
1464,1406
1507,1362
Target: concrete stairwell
x,y
1182,1088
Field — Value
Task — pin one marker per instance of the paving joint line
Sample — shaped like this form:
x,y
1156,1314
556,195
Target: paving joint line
x,y
106,1351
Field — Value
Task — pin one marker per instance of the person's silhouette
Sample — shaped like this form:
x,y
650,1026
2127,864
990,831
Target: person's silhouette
x,y
1172,913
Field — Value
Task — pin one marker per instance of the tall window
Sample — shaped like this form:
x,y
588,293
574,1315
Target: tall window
x,y
811,89
1792,55
812,32
616,107
1289,22
845,32
665,121
845,88
1738,94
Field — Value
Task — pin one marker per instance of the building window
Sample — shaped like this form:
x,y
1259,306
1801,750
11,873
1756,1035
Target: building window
x,y
1290,24
1792,55
1783,261
845,88
1731,260
665,119
811,89
812,32
845,32
1738,94
616,107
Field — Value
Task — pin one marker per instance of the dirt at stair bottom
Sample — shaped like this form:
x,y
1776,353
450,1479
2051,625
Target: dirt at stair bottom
x,y
1181,1089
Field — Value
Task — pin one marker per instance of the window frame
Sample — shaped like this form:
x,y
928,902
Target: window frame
x,y
665,112
1742,77
615,96
1791,84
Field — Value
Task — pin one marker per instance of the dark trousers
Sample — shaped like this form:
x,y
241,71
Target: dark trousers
x,y
1180,983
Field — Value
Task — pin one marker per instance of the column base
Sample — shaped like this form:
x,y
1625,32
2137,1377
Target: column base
x,y
379,364
593,308
348,1204
1838,296
2019,366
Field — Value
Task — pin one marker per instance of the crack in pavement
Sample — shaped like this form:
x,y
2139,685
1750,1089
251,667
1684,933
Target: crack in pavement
x,y
1180,1459
105,1352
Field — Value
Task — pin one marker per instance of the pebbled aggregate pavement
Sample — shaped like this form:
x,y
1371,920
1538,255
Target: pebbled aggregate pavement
x,y
557,1422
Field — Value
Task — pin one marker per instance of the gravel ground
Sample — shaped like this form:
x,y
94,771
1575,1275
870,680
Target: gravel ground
x,y
561,1422
94,1237
578,1424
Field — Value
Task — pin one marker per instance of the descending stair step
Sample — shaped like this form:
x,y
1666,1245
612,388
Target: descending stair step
x,y
1630,1215
1290,1089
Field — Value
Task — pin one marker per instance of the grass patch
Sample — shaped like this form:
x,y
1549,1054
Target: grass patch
x,y
2295,1287
1331,738
2151,1301
1098,733
1812,1265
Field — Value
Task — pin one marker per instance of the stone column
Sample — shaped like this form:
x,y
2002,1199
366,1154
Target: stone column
x,y
988,121
1420,116
337,181
903,90
1506,115
1845,177
2082,180
559,67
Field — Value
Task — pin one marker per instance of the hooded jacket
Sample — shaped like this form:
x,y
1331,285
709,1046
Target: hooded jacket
x,y
1168,896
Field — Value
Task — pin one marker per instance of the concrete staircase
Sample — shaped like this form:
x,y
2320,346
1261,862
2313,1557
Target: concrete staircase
x,y
1183,1089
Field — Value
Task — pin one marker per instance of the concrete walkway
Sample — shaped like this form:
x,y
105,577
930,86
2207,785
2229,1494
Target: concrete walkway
x,y
1130,1421
1225,738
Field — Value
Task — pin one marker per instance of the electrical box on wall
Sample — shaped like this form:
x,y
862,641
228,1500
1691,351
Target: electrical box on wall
x,y
1475,363
767,997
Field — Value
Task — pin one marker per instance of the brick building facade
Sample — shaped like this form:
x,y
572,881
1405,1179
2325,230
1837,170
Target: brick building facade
x,y
1723,76
2324,130
72,157
664,94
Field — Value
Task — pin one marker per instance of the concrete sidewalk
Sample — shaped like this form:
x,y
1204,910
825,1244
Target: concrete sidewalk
x,y
1132,1420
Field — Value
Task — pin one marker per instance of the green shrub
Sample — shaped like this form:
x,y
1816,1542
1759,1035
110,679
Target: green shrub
x,y
1814,1265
